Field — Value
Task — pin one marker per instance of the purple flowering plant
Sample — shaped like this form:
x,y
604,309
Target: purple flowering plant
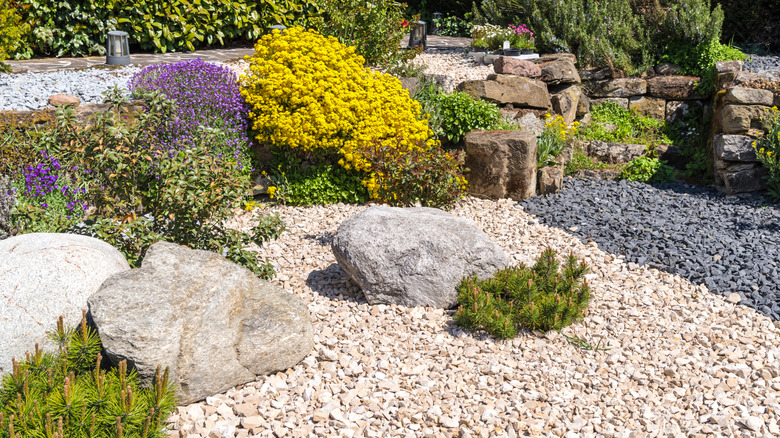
x,y
520,37
205,96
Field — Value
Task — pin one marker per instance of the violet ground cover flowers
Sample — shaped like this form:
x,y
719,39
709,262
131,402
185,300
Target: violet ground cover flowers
x,y
205,96
46,185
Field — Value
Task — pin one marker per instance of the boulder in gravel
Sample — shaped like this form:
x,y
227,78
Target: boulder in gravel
x,y
735,148
673,87
213,322
44,276
413,256
505,65
742,178
509,89
502,164
64,99
624,87
648,106
748,96
615,153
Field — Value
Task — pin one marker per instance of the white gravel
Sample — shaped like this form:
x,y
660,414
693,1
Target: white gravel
x,y
682,361
453,68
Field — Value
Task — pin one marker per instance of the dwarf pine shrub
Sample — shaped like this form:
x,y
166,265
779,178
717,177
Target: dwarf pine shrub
x,y
67,394
545,296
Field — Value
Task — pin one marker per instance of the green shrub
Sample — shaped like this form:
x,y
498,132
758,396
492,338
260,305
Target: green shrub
x,y
626,127
79,27
648,169
432,178
316,184
139,192
452,116
451,25
605,33
699,60
67,394
768,149
12,32
374,28
542,297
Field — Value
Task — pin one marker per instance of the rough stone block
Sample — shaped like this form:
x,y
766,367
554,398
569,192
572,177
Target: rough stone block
x,y
673,87
514,66
615,153
728,66
739,119
735,148
502,164
648,106
558,72
621,101
748,96
509,89
550,180
565,102
624,87
743,179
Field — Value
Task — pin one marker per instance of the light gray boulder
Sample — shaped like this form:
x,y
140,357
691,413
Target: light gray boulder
x,y
213,322
413,256
43,276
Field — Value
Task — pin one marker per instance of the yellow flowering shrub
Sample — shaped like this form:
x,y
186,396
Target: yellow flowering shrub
x,y
768,149
311,94
553,140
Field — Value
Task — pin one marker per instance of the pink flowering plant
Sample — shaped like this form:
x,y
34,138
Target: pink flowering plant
x,y
521,37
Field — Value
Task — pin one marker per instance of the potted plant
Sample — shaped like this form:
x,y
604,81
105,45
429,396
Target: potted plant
x,y
521,38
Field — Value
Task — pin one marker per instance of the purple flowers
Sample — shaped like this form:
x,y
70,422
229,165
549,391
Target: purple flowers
x,y
205,96
521,30
45,184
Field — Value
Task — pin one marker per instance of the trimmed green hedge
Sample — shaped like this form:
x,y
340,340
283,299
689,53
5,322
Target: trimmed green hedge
x,y
79,27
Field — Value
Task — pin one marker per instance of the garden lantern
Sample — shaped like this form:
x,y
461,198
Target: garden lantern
x,y
418,35
437,16
118,48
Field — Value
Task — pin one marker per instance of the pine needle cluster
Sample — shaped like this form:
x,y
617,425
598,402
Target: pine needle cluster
x,y
67,394
546,296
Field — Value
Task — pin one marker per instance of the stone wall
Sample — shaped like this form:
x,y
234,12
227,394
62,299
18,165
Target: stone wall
x,y
740,106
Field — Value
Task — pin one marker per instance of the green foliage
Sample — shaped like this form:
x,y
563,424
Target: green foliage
x,y
546,296
12,31
612,123
690,22
605,33
581,161
425,8
452,116
140,193
374,28
67,394
648,169
315,184
79,27
556,136
451,25
689,134
768,151
699,60
432,178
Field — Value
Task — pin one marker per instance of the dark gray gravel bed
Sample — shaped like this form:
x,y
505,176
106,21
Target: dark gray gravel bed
x,y
758,63
729,244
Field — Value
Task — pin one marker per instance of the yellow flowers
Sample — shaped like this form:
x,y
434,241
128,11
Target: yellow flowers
x,y
271,190
310,93
558,125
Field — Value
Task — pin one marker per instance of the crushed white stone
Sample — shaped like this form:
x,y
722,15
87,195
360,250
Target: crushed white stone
x,y
681,361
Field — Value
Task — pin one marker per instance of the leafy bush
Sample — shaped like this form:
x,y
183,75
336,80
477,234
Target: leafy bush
x,y
311,95
541,297
768,149
626,127
79,27
206,95
316,184
605,33
648,169
374,28
140,192
67,394
452,116
554,139
433,177
451,25
11,32
700,60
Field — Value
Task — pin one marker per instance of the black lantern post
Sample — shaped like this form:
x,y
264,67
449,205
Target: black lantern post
x,y
117,48
418,36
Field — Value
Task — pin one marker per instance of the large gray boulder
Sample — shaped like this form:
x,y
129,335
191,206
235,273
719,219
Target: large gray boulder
x,y
413,256
213,322
44,276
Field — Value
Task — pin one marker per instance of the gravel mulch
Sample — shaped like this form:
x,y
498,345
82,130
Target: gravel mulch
x,y
681,361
